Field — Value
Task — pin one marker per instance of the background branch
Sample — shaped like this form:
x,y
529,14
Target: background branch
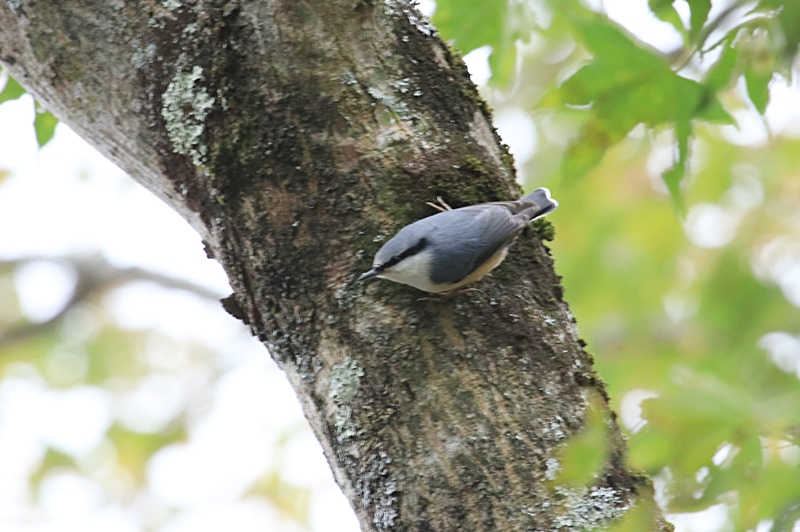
x,y
94,276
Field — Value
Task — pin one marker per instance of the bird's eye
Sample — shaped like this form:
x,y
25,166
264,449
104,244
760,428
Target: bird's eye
x,y
391,262
413,250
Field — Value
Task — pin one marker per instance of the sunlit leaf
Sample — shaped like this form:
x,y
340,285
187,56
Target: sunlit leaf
x,y
665,11
788,17
45,124
699,14
650,449
672,178
11,91
587,150
674,175
582,459
776,492
472,23
626,84
758,88
638,518
499,24
721,73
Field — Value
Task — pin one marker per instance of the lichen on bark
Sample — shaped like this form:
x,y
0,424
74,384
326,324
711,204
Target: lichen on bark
x,y
343,388
186,103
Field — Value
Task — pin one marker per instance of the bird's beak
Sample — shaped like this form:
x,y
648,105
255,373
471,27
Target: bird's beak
x,y
371,273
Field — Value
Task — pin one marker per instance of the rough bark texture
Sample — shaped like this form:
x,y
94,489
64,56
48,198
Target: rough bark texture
x,y
295,136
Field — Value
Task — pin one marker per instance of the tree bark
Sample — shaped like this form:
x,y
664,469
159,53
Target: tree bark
x,y
295,136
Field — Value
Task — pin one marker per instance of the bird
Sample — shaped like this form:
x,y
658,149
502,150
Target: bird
x,y
446,251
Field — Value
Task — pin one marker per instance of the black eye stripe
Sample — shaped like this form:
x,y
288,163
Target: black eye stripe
x,y
413,250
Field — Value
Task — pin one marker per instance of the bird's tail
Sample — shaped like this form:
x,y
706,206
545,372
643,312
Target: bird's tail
x,y
544,203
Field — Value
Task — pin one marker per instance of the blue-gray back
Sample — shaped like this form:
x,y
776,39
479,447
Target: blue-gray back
x,y
461,240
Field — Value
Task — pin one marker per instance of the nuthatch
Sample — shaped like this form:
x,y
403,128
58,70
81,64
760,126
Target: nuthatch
x,y
445,251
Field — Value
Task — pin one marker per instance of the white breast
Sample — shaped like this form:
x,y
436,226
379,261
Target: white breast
x,y
413,271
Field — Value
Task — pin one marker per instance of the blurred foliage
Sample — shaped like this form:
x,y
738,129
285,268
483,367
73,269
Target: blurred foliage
x,y
582,460
44,123
621,82
699,315
476,23
87,350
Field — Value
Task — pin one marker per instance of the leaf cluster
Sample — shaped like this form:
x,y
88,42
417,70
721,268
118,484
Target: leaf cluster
x,y
622,82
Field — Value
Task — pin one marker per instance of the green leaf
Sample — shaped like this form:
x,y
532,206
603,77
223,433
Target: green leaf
x,y
650,449
582,459
45,125
585,152
627,84
475,23
606,40
673,177
471,23
787,518
11,91
503,59
721,73
665,11
643,516
758,82
777,492
699,14
788,17
710,108
716,387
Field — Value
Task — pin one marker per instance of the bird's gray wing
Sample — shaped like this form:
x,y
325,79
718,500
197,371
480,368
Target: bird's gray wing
x,y
470,236
524,209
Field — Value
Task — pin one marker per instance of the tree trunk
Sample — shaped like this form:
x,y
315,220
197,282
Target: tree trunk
x,y
295,136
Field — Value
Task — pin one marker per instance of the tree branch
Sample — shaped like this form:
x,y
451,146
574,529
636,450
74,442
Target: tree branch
x,y
94,276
